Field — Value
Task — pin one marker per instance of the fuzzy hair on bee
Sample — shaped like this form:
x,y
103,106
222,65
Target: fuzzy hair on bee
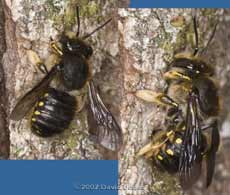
x,y
54,108
191,133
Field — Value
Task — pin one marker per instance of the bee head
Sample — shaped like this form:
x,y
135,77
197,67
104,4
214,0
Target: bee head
x,y
192,67
76,46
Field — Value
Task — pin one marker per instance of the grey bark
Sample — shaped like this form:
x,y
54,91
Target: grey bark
x,y
4,133
29,25
149,38
123,3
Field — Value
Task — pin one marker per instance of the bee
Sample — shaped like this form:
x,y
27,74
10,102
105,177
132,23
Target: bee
x,y
192,107
54,108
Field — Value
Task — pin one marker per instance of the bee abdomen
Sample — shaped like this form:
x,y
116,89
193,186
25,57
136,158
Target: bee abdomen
x,y
168,157
53,113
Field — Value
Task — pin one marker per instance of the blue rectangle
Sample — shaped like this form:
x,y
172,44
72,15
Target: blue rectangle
x,y
58,177
180,4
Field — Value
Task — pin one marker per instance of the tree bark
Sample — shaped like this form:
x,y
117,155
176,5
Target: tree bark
x,y
4,133
123,3
149,38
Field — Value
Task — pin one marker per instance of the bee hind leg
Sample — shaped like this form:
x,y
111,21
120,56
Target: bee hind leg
x,y
81,98
159,138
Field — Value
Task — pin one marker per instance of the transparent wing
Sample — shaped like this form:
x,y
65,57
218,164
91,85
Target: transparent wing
x,y
191,157
211,155
106,132
30,98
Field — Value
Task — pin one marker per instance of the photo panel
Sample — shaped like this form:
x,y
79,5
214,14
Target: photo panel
x,y
175,101
63,76
142,91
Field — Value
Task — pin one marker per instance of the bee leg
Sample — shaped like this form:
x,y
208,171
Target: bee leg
x,y
81,96
56,49
174,75
159,138
81,102
34,59
159,98
152,147
174,118
42,68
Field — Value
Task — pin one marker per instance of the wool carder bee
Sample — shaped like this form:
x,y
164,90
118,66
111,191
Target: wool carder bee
x,y
54,108
192,104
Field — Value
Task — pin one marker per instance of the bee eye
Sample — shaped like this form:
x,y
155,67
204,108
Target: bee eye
x,y
89,50
69,46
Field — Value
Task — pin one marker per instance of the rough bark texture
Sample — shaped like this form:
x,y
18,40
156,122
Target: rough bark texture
x,y
4,133
149,38
29,25
123,3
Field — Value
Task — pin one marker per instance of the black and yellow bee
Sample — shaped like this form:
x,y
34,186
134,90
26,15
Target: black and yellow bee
x,y
192,104
54,108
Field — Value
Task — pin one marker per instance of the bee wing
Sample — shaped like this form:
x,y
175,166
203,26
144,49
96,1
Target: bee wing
x,y
211,155
191,157
30,98
107,133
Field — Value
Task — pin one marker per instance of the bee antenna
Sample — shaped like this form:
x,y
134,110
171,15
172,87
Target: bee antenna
x,y
196,34
210,39
78,21
95,30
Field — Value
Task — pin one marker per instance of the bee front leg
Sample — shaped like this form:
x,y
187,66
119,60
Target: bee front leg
x,y
158,98
35,59
55,48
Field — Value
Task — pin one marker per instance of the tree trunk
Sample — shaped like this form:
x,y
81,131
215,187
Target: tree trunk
x,y
123,3
149,38
4,133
